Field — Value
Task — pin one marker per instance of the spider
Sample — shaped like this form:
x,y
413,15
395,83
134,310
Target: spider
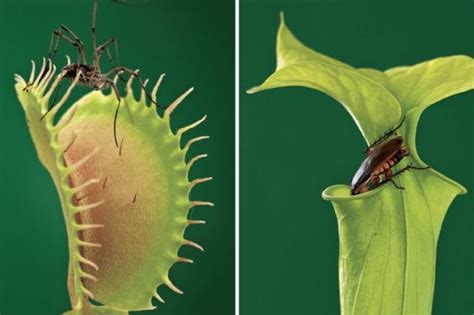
x,y
90,75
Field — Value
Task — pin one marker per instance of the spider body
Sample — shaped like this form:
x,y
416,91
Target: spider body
x,y
90,77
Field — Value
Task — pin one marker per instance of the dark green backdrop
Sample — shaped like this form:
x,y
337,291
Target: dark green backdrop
x,y
193,43
295,142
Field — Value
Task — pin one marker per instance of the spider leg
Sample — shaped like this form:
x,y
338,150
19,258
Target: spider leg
x,y
114,88
93,30
78,41
100,50
106,47
57,34
109,55
119,70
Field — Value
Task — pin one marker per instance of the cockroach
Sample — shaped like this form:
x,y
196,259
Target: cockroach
x,y
382,155
90,75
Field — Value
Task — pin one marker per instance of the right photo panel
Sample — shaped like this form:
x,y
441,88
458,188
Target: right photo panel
x,y
355,191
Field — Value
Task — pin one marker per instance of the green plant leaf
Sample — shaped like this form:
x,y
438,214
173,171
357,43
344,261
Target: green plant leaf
x,y
429,82
290,50
387,236
125,207
300,66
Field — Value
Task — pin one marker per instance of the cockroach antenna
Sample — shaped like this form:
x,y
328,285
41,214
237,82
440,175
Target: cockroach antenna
x,y
90,75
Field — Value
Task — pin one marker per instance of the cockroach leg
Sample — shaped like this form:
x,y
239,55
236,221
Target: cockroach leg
x,y
390,176
386,135
409,167
395,184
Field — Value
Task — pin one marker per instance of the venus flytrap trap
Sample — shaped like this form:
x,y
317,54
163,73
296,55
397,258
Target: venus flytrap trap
x,y
387,236
125,208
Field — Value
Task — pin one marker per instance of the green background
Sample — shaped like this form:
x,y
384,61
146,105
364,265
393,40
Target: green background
x,y
193,44
295,142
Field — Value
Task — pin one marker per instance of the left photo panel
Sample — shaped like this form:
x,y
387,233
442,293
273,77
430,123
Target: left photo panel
x,y
118,181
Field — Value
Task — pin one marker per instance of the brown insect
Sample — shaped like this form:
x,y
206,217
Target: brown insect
x,y
384,154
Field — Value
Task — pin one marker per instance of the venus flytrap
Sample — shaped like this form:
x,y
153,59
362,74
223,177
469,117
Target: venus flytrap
x,y
125,208
387,236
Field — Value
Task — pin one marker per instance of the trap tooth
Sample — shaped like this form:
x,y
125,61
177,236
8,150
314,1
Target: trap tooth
x,y
49,64
172,287
66,95
40,74
178,101
82,227
195,159
86,261
86,292
48,79
33,70
185,260
51,89
200,181
88,244
192,244
154,92
65,120
130,81
73,167
85,275
191,126
86,207
158,297
86,184
200,203
196,222
143,91
194,140
18,78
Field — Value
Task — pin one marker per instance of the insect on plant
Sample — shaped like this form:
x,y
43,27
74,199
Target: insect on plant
x,y
382,155
91,75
